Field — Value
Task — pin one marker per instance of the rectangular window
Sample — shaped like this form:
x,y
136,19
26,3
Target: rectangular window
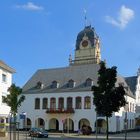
x,y
2,98
61,103
69,103
4,94
37,103
4,78
45,103
87,103
53,104
78,103
6,120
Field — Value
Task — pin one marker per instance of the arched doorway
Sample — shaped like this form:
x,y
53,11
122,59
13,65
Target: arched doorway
x,y
39,123
83,122
68,125
53,124
29,123
137,120
101,126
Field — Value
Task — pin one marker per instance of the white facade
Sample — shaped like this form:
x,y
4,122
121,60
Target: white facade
x,y
78,114
138,90
5,82
116,122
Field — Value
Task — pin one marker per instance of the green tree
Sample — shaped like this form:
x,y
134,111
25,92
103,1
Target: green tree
x,y
14,100
108,98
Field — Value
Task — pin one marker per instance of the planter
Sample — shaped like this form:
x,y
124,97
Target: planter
x,y
3,134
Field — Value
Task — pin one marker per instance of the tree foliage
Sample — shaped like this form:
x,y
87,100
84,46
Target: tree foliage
x,y
107,97
13,100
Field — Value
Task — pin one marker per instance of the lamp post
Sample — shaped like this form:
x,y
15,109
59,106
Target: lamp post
x,y
26,124
96,125
24,114
125,125
125,119
10,115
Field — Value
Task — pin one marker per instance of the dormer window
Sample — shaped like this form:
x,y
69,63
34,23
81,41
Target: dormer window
x,y
126,88
71,84
55,84
89,82
121,84
39,85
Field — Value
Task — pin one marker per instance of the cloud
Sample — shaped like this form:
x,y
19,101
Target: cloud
x,y
124,17
30,6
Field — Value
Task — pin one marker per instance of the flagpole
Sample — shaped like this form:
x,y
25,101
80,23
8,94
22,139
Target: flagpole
x,y
85,13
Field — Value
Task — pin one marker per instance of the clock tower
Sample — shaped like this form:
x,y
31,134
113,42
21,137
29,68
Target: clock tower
x,y
87,47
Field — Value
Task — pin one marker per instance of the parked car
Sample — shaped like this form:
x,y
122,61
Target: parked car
x,y
38,132
86,130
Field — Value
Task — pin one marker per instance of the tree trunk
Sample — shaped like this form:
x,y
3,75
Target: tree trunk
x,y
14,127
107,127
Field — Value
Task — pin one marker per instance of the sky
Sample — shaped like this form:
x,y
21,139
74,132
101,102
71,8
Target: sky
x,y
41,34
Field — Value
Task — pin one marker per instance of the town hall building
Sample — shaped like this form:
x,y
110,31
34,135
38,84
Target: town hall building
x,y
60,99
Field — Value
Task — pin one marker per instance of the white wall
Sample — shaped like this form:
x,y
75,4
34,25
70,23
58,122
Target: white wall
x,y
138,91
28,107
4,109
90,114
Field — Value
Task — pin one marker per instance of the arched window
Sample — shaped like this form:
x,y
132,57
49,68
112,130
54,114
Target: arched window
x,y
45,103
55,84
78,103
88,82
53,103
61,103
87,102
71,84
41,122
37,103
69,102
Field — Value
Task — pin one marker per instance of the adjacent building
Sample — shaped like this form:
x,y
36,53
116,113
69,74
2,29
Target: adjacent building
x,y
134,84
5,82
60,99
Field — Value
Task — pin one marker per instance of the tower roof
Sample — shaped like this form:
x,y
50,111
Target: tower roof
x,y
90,33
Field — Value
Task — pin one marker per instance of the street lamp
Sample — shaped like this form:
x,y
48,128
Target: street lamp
x,y
96,125
125,122
10,116
126,108
24,116
125,119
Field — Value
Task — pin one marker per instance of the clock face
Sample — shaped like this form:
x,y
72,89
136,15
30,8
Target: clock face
x,y
85,43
